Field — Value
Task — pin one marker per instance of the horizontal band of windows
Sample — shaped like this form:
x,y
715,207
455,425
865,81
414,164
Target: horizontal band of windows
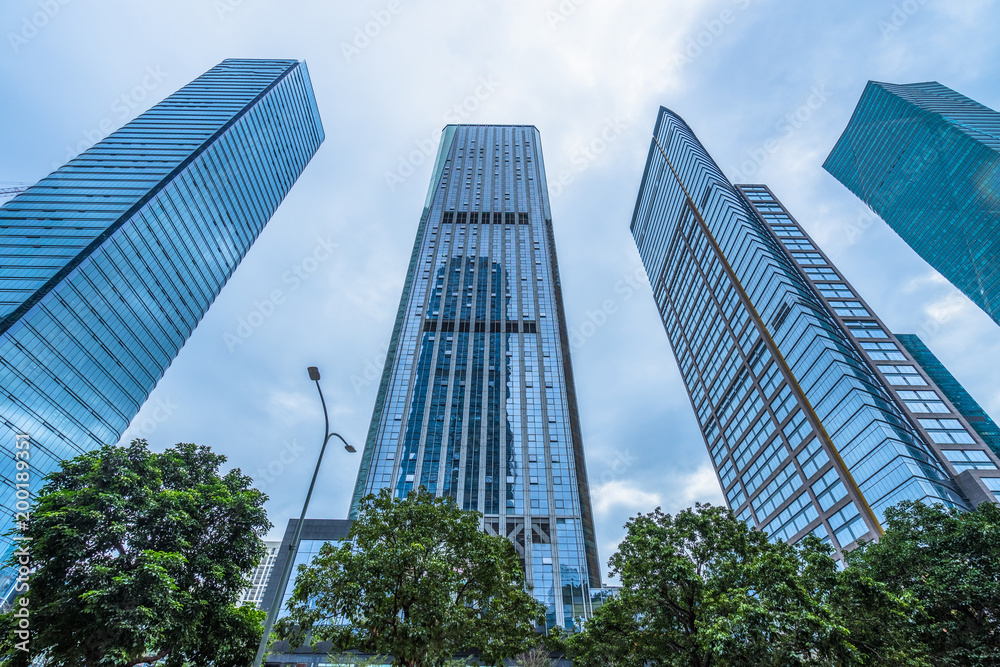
x,y
486,218
495,326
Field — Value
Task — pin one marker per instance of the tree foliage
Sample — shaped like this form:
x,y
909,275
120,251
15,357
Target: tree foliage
x,y
702,589
419,580
949,561
140,557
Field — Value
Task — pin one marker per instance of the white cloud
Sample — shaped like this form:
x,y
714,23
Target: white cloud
x,y
622,494
614,58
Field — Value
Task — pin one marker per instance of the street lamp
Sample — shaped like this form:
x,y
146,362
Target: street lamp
x,y
293,547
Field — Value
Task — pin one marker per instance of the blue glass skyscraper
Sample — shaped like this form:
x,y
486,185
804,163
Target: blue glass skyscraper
x,y
477,399
108,264
968,406
816,419
927,160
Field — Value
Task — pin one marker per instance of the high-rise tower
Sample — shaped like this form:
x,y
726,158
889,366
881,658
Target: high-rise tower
x,y
109,263
927,160
970,409
477,399
815,417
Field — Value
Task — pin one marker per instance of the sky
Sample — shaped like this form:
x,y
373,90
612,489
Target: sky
x,y
767,85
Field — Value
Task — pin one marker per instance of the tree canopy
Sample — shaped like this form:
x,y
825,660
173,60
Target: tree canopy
x,y
140,557
420,580
702,589
949,561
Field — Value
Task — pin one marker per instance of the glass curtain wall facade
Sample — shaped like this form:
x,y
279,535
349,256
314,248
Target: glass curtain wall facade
x,y
804,434
969,408
927,160
315,533
477,399
931,408
110,262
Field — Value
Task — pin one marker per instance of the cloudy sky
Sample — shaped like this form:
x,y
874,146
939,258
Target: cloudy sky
x,y
590,74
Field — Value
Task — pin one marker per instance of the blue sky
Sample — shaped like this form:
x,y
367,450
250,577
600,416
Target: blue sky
x,y
590,74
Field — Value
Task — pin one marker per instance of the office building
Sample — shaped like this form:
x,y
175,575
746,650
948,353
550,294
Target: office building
x,y
315,533
956,394
927,160
254,593
477,399
815,417
109,263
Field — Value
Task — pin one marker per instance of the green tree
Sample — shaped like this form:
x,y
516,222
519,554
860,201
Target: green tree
x,y
140,558
702,589
949,561
419,580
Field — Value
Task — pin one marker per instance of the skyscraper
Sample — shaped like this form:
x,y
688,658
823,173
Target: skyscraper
x,y
109,263
477,399
253,594
970,409
927,160
815,417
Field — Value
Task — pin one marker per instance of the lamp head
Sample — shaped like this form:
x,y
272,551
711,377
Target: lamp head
x,y
350,449
313,373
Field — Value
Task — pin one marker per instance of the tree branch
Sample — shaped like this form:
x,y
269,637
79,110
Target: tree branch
x,y
148,658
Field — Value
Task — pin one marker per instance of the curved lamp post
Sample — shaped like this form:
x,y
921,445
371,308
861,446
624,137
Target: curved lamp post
x,y
293,547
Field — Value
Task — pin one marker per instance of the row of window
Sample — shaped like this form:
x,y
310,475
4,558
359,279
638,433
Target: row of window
x,y
486,218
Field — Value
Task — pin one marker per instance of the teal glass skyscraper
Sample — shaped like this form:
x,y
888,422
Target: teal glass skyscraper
x,y
927,160
815,417
477,399
109,263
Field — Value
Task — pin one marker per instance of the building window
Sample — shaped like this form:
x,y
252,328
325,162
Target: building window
x,y
808,258
966,459
947,431
821,273
882,351
835,291
902,375
865,329
786,230
848,308
848,525
829,489
795,244
923,401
